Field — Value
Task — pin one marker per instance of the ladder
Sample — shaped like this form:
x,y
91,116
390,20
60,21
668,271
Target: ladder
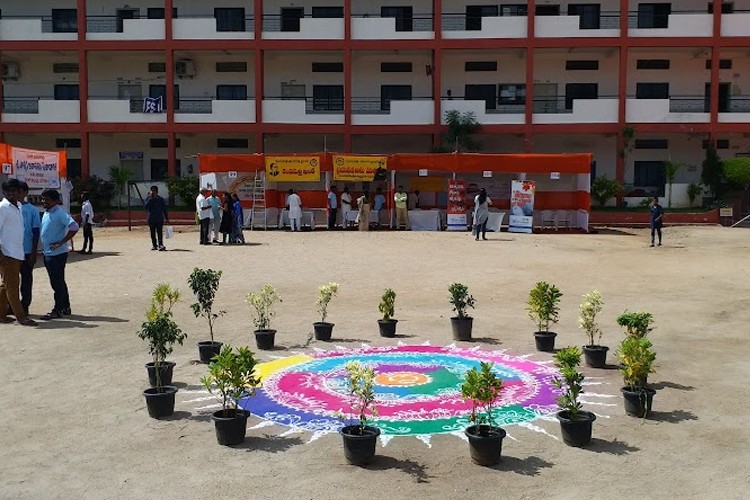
x,y
258,210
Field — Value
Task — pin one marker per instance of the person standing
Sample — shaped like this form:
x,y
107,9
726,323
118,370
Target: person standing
x,y
379,203
346,206
31,224
226,219
414,200
363,216
294,203
481,213
657,218
333,205
11,254
156,208
203,209
238,217
87,220
58,227
215,203
400,199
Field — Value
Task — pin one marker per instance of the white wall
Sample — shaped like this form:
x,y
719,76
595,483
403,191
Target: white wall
x,y
494,27
386,144
549,66
420,7
367,78
29,29
195,8
687,73
50,111
106,67
603,147
204,83
683,148
511,69
737,24
680,25
296,67
37,78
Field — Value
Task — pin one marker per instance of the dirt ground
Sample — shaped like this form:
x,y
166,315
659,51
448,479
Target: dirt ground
x,y
74,424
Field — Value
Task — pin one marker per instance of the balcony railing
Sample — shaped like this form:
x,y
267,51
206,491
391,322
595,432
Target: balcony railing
x,y
417,22
276,23
21,105
498,108
247,23
638,20
562,104
688,104
739,104
377,105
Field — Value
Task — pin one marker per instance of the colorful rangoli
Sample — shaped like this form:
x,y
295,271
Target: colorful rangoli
x,y
418,388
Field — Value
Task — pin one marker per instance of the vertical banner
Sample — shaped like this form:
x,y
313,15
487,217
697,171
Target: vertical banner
x,y
522,206
456,219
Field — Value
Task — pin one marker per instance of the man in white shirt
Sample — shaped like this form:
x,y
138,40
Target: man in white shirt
x,y
87,219
11,254
294,204
203,209
346,207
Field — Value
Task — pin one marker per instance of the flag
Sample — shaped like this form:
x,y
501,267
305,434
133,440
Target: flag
x,y
153,105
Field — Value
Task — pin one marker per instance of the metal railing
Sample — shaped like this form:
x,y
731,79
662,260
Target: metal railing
x,y
276,23
200,106
21,105
377,105
463,22
417,22
688,104
561,104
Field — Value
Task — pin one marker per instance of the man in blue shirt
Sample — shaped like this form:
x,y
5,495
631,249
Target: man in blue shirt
x,y
215,203
58,227
156,208
333,205
31,225
379,203
657,217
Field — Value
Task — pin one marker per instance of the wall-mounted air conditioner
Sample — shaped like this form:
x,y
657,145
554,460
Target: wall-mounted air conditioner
x,y
184,68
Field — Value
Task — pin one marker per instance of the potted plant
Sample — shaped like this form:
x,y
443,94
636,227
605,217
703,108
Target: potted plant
x,y
461,300
575,424
162,300
387,307
205,283
595,354
637,324
162,333
482,387
360,438
636,360
231,377
543,307
262,310
322,328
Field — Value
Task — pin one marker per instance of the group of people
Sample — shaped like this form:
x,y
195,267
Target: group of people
x,y
222,215
368,205
22,233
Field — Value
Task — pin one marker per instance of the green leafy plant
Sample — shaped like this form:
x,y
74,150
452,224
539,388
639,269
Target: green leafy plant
x,y
460,127
205,283
543,305
387,304
570,380
482,387
460,299
628,139
589,309
231,376
737,170
636,360
120,176
360,380
325,294
693,191
603,189
262,303
160,330
185,187
637,324
100,191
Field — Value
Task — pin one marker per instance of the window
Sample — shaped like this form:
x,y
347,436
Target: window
x,y
395,67
64,21
157,67
575,91
475,13
547,10
404,17
161,91
161,143
66,92
720,144
73,168
651,144
231,92
726,7
480,66
328,12
588,14
654,15
514,93
68,143
290,18
65,68
652,64
518,9
390,93
230,19
486,93
231,67
652,90
232,143
122,14
724,97
328,97
327,67
581,65
723,64
158,13
650,174
159,169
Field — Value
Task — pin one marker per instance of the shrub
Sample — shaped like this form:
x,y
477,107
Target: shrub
x,y
185,188
100,191
603,188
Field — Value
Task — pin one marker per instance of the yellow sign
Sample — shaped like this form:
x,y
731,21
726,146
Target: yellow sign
x,y
359,168
293,168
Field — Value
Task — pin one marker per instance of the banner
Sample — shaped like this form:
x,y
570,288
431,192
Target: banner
x,y
293,168
456,217
38,169
359,168
522,206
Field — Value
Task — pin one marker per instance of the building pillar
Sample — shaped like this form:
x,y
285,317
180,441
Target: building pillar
x,y
348,100
259,63
528,137
85,154
83,96
2,82
437,94
168,9
622,100
715,60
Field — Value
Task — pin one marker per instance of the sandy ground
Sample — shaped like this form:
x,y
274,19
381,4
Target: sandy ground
x,y
74,424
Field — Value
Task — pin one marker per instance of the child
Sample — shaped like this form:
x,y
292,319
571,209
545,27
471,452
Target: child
x,y
87,219
239,221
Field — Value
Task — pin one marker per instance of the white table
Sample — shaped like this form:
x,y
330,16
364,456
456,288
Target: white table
x,y
425,220
495,221
350,217
306,216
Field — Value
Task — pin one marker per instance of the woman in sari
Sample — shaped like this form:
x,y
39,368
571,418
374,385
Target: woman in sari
x,y
363,217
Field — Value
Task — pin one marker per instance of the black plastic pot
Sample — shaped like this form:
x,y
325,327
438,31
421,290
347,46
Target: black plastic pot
x,y
595,356
323,331
387,327
359,444
165,371
264,339
638,400
485,443
230,427
208,349
545,341
576,432
160,403
462,327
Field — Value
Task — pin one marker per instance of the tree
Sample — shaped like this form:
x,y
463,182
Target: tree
x,y
670,173
186,188
737,170
460,128
119,176
711,174
602,189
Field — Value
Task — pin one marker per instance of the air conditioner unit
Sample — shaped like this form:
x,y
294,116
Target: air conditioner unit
x,y
10,71
185,68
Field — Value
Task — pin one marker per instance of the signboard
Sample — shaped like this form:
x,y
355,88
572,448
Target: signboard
x,y
522,206
7,169
359,168
554,175
487,174
456,216
38,169
293,168
423,172
726,212
131,155
232,174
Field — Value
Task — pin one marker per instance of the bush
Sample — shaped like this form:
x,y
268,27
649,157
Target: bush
x,y
737,170
186,188
100,191
603,188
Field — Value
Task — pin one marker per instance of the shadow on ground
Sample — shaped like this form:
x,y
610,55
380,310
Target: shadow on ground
x,y
75,256
673,417
614,447
487,340
269,444
529,466
671,385
417,471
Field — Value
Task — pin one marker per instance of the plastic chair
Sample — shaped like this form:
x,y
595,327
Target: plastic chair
x,y
563,217
548,217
